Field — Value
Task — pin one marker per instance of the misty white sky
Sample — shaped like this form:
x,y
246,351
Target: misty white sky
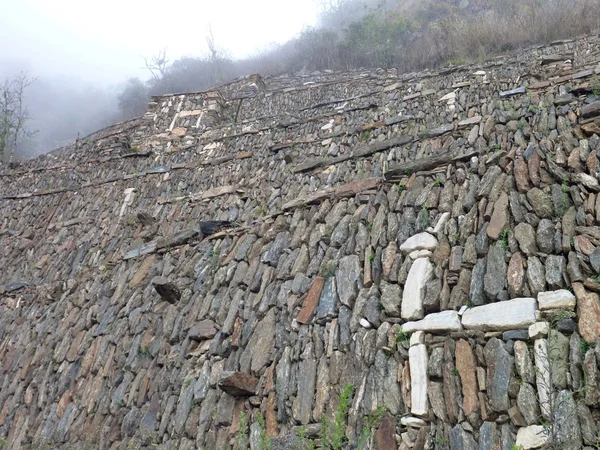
x,y
104,40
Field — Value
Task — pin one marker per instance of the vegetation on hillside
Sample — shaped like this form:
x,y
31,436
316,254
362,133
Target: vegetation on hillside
x,y
406,34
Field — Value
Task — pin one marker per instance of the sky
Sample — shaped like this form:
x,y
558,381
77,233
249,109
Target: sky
x,y
104,41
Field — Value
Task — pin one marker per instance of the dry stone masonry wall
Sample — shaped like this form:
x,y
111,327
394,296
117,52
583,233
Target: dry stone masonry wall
x,y
422,249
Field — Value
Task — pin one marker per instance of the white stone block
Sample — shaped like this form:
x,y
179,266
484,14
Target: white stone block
x,y
513,314
444,218
538,330
421,241
420,254
412,422
561,299
444,321
414,289
417,338
417,358
533,436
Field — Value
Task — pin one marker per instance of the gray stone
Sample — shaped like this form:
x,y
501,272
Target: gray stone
x,y
523,362
541,203
476,291
568,431
499,369
515,335
328,302
495,275
525,235
461,440
528,404
435,365
595,260
556,268
281,242
488,436
589,429
545,236
391,296
347,278
558,349
536,276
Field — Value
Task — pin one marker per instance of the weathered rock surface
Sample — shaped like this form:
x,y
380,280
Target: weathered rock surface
x,y
507,315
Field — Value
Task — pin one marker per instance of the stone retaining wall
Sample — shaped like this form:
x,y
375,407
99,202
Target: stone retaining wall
x,y
421,246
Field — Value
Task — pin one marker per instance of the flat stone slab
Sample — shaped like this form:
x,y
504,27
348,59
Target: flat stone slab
x,y
444,321
508,315
560,299
421,241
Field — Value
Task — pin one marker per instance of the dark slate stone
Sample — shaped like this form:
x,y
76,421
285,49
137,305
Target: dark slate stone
x,y
280,243
461,440
595,260
16,285
328,302
495,275
515,335
476,291
499,370
488,435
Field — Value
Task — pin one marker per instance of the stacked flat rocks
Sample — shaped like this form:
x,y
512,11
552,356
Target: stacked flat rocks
x,y
419,250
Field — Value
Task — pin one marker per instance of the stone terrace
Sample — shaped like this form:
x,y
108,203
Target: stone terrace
x,y
429,239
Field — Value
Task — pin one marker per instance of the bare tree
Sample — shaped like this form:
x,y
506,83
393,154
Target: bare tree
x,y
157,65
13,114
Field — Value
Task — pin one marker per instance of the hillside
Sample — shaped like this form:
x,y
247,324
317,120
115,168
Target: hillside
x,y
357,259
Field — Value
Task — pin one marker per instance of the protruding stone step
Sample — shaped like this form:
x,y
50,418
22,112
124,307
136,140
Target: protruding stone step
x,y
508,315
560,299
238,383
421,241
442,322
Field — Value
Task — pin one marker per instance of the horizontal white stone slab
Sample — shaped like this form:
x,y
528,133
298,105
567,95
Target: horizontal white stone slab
x,y
421,241
513,314
437,322
561,299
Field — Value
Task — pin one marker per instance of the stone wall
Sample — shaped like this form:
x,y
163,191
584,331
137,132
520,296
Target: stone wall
x,y
426,243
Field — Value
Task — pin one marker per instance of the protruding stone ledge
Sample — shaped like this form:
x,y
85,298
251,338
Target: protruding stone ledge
x,y
442,322
508,315
561,299
421,241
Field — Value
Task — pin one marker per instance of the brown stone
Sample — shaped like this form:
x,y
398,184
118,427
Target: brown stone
x,y
143,271
271,416
465,364
238,383
385,436
574,160
521,172
203,330
534,168
64,401
516,275
356,187
586,247
588,311
311,301
499,219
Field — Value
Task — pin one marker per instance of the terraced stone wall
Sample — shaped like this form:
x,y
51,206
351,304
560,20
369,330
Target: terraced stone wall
x,y
421,247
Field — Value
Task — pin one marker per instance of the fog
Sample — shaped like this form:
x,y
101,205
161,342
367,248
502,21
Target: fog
x,y
82,53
